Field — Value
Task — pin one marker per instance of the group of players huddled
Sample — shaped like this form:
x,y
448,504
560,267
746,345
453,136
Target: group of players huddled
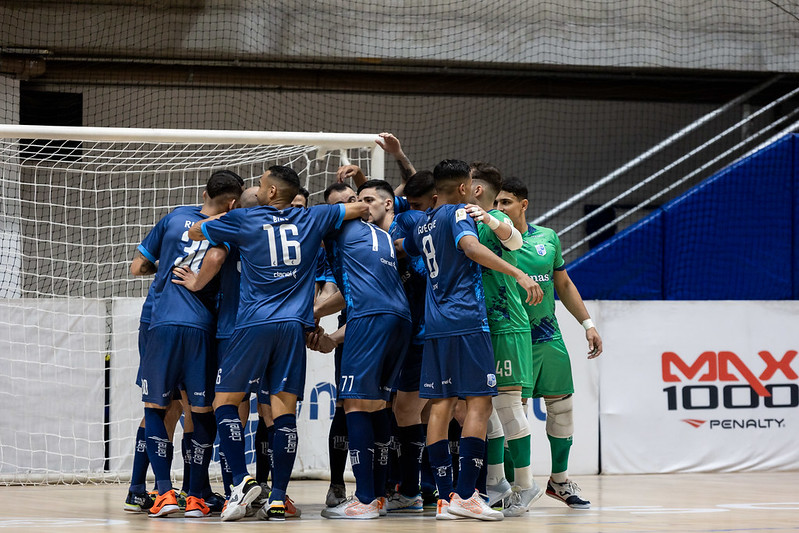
x,y
447,328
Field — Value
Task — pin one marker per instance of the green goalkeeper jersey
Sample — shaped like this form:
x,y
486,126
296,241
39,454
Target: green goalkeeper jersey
x,y
539,257
504,305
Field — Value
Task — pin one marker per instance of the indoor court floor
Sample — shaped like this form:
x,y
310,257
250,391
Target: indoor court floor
x,y
644,503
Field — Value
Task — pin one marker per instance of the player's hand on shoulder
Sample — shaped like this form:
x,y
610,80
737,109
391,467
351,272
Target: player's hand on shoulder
x,y
476,212
534,293
594,343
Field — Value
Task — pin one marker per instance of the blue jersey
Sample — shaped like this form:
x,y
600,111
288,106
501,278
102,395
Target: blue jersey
x,y
455,303
228,302
365,267
401,205
412,272
169,244
147,307
323,272
278,258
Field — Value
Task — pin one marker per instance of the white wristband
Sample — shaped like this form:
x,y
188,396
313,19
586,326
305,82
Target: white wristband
x,y
588,324
491,222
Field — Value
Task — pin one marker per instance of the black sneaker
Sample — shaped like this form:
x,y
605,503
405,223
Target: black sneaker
x,y
429,499
568,493
138,502
216,502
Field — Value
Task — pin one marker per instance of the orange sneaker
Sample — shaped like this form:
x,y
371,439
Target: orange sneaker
x,y
196,508
165,505
353,508
473,507
291,510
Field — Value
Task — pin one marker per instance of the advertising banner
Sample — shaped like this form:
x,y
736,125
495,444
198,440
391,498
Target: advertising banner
x,y
699,387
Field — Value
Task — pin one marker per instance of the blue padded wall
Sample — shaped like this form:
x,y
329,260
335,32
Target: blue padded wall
x,y
732,237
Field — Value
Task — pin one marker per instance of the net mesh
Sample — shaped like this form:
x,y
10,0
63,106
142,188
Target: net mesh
x,y
72,214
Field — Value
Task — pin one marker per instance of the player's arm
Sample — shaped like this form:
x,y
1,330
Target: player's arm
x,y
324,290
351,171
332,304
320,341
355,210
391,145
141,266
573,302
212,264
196,231
506,233
482,255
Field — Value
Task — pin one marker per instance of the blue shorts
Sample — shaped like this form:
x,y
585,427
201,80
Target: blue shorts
x,y
178,355
411,372
269,356
458,366
143,331
374,348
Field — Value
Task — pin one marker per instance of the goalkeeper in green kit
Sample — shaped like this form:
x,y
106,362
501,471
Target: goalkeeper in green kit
x,y
540,257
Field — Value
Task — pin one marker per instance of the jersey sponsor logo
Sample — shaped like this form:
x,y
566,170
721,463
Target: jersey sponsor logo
x,y
538,278
429,385
289,274
460,214
447,381
491,380
392,264
541,249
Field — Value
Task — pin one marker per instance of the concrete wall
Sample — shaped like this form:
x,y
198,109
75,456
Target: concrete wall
x,y
696,34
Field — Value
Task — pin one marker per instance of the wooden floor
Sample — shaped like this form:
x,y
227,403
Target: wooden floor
x,y
674,503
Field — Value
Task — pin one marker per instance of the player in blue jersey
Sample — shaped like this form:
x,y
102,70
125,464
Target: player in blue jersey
x,y
277,245
458,360
179,344
378,325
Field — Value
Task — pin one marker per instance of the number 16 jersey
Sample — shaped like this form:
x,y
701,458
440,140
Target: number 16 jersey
x,y
278,258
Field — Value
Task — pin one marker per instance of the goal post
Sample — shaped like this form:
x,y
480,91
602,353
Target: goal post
x,y
74,204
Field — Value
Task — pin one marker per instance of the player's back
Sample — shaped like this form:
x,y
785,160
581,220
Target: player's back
x,y
278,250
228,300
169,244
364,264
455,302
412,271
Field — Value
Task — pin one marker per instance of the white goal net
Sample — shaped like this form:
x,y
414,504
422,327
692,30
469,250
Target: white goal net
x,y
74,203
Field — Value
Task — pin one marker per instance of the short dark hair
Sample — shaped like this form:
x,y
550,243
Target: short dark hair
x,y
288,177
224,182
516,187
419,184
488,173
380,185
334,187
451,169
304,192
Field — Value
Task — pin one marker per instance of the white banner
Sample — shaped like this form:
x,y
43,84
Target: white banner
x,y
699,386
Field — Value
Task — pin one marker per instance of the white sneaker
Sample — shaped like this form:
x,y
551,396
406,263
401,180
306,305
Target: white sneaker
x,y
336,494
399,503
497,493
352,508
568,493
529,496
442,511
381,505
240,498
512,506
474,507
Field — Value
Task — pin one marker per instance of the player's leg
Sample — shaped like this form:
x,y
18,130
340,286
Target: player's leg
x,y
285,379
160,374
264,439
454,432
138,499
408,408
555,384
241,364
337,444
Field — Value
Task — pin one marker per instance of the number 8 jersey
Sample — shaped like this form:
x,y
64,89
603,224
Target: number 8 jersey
x,y
278,258
455,303
169,244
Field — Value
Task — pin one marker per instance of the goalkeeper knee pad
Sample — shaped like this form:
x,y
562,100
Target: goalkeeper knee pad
x,y
494,426
560,416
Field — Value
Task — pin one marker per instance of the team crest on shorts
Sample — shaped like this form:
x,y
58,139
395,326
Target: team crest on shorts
x,y
491,380
541,249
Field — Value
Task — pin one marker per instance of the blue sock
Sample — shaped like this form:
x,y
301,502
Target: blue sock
x,y
186,451
157,447
381,426
231,440
337,446
426,479
284,452
411,445
203,448
441,463
482,478
454,436
227,475
361,445
263,462
138,477
471,460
